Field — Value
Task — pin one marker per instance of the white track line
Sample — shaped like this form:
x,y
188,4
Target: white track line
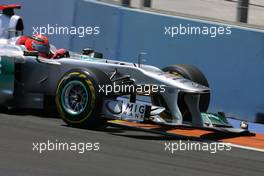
x,y
245,147
205,140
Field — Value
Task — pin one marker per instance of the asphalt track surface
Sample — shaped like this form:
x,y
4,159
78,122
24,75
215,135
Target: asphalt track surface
x,y
123,151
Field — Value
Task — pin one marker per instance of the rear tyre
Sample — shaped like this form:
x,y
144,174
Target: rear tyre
x,y
78,100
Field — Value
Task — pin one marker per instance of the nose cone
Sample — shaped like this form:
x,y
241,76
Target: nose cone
x,y
190,86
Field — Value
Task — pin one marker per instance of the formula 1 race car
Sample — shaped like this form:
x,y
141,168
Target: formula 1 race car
x,y
88,90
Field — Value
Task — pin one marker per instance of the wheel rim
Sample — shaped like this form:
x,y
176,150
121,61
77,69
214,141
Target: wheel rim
x,y
74,97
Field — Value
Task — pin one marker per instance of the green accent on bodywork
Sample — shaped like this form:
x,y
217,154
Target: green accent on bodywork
x,y
7,65
7,76
88,58
215,119
83,57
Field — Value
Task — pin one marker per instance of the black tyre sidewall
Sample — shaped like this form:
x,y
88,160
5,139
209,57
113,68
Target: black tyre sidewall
x,y
194,74
90,117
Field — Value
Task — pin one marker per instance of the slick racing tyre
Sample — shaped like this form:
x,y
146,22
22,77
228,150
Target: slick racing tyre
x,y
78,100
194,74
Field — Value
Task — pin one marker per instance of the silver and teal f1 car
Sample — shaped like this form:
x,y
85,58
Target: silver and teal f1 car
x,y
87,90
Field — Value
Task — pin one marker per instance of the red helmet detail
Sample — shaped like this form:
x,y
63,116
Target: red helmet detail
x,y
38,43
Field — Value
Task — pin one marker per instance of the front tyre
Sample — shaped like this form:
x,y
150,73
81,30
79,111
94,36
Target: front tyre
x,y
194,74
78,100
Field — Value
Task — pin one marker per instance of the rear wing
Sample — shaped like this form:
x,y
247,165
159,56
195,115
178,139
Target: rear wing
x,y
11,25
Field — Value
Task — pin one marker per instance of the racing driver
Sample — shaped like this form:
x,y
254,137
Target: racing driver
x,y
41,44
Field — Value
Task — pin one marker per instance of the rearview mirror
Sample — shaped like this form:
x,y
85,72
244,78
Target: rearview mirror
x,y
31,53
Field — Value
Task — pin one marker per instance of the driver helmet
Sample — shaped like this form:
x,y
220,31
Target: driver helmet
x,y
39,43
